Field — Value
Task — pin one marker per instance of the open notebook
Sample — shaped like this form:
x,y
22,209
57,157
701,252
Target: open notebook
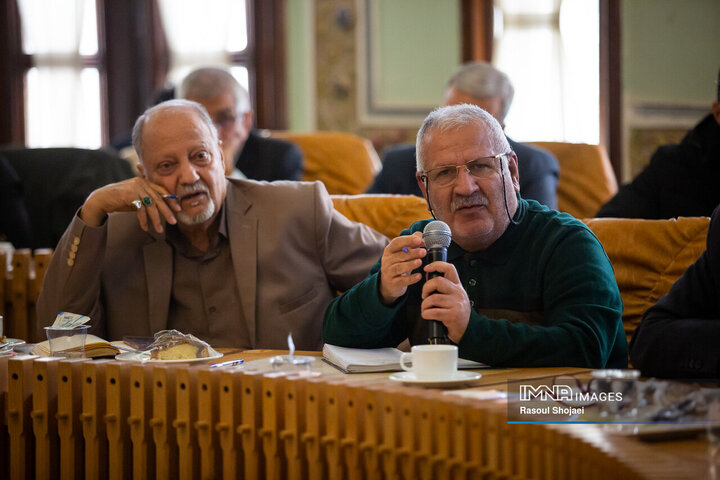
x,y
365,360
94,347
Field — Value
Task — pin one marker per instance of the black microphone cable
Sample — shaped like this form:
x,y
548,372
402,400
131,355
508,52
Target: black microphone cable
x,y
424,178
507,210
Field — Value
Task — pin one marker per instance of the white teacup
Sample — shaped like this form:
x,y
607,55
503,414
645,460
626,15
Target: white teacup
x,y
431,362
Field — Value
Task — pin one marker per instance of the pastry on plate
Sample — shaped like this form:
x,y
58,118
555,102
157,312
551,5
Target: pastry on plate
x,y
173,345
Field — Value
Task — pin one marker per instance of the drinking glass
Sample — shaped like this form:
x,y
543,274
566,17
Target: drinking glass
x,y
67,342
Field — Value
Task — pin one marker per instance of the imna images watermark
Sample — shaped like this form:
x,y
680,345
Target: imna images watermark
x,y
563,399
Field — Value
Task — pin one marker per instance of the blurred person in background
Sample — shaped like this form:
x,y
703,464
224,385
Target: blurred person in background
x,y
680,181
481,84
245,149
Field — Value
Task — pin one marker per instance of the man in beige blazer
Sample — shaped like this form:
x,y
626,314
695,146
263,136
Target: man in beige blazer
x,y
235,262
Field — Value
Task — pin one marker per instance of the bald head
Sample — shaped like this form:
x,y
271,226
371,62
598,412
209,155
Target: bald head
x,y
170,106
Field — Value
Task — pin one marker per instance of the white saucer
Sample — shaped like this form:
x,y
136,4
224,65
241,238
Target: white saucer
x,y
8,349
458,378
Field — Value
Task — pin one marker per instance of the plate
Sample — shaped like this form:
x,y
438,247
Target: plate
x,y
145,358
9,348
458,378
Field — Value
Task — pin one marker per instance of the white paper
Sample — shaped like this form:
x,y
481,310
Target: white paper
x,y
69,320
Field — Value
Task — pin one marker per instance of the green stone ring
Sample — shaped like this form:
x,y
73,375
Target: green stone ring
x,y
147,200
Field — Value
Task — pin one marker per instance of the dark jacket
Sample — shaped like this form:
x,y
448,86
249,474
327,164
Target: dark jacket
x,y
680,181
263,158
680,335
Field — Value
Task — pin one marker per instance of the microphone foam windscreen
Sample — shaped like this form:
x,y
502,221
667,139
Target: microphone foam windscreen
x,y
436,234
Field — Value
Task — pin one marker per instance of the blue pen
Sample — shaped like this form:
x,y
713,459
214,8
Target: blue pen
x,y
229,363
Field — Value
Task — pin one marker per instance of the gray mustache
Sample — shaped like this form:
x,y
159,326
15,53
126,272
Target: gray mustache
x,y
185,190
471,201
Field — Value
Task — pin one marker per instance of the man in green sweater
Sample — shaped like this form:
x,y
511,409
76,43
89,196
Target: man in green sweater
x,y
523,285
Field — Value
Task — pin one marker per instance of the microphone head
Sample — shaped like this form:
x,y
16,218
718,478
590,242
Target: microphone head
x,y
436,234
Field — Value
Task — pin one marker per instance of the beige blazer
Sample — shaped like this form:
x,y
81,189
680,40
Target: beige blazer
x,y
291,253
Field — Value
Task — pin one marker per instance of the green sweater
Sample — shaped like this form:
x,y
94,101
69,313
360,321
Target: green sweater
x,y
544,294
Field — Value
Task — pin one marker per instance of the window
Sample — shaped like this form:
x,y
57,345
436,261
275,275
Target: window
x,y
62,98
78,72
550,50
212,32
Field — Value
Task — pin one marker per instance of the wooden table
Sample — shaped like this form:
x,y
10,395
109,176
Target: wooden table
x,y
490,376
192,422
685,458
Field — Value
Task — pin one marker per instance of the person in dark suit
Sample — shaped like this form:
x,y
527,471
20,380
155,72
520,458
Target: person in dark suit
x,y
264,158
476,83
680,181
247,153
679,335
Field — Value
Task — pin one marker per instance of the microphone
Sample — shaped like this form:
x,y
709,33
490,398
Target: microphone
x,y
437,238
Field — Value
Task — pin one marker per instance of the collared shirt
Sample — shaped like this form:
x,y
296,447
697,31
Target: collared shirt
x,y
205,300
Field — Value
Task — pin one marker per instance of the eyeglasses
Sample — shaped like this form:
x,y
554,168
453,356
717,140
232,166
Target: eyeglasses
x,y
224,120
485,167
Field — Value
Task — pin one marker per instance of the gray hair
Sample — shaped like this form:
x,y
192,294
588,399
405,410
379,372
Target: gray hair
x,y
443,119
209,82
166,105
482,80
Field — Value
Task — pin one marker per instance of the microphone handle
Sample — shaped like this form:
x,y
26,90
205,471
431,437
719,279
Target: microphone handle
x,y
437,332
437,254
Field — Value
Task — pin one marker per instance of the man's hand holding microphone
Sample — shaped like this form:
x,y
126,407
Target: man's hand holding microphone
x,y
444,300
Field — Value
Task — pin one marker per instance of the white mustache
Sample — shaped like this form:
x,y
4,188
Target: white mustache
x,y
475,200
196,187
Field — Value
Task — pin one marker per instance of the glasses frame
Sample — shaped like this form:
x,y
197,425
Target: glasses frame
x,y
425,177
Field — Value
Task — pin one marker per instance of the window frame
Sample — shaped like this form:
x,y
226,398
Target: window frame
x,y
130,33
477,35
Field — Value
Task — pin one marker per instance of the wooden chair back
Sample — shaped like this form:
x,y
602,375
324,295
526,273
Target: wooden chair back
x,y
20,286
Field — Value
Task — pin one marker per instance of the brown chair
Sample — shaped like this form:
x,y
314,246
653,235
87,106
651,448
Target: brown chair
x,y
586,180
388,214
344,162
648,256
56,182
